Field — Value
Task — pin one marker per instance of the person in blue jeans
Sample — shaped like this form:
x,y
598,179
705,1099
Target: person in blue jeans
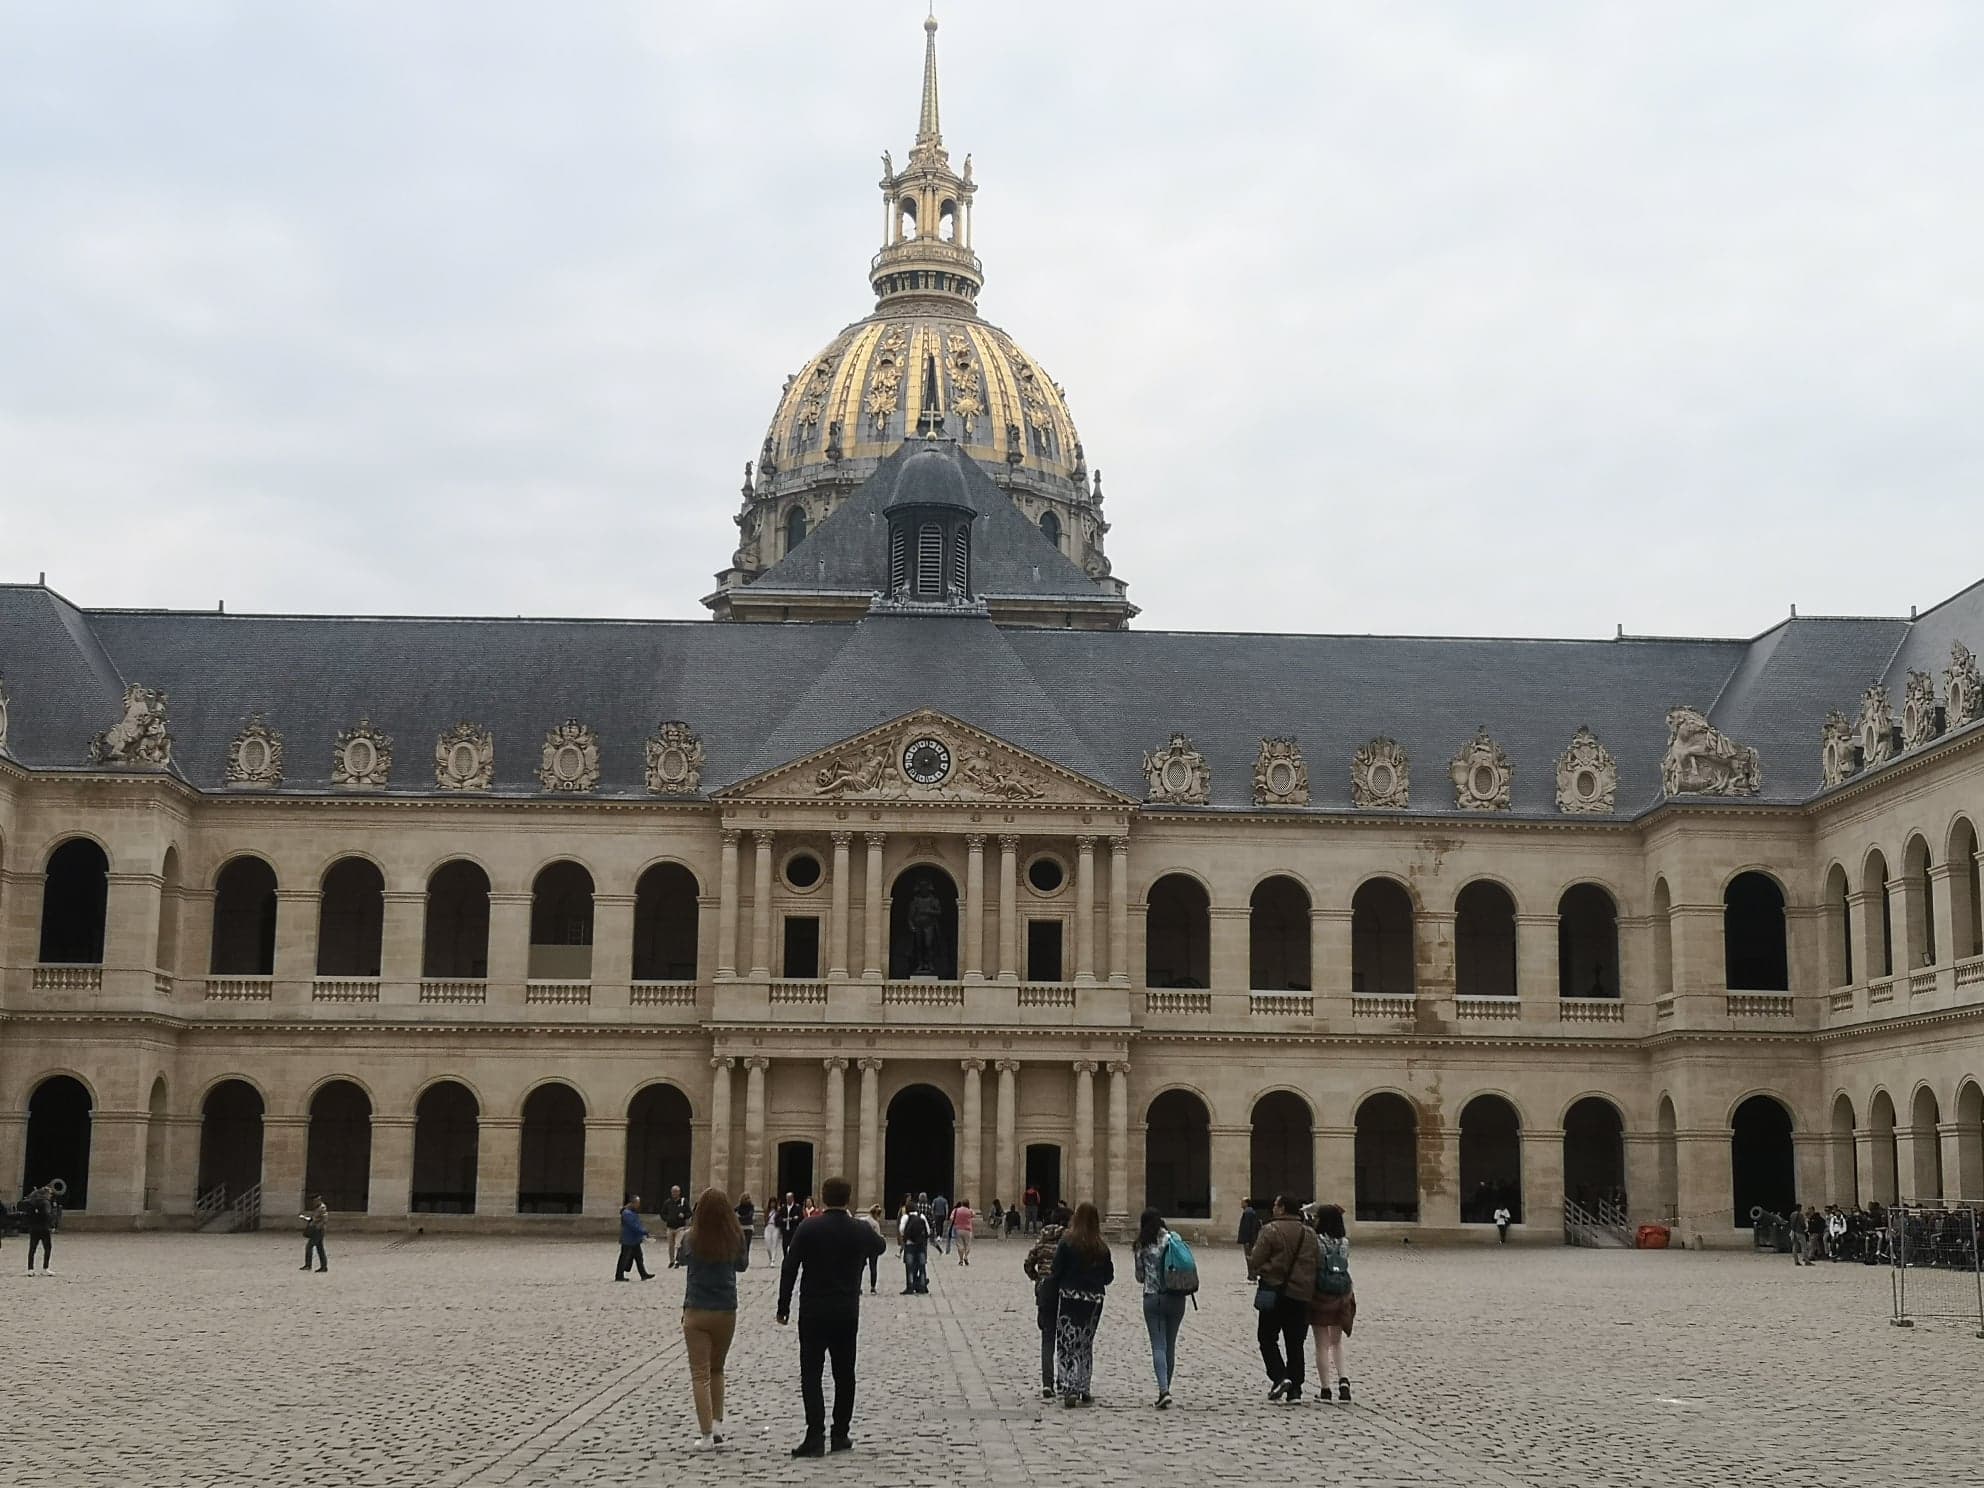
x,y
1164,1312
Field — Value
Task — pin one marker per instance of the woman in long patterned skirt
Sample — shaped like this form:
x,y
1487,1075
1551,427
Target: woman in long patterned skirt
x,y
1082,1272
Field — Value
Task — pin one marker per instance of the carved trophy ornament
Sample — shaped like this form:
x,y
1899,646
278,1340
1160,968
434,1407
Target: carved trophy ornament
x,y
1481,774
675,760
1280,776
1379,777
570,761
255,756
465,758
3,716
1587,776
1837,759
1921,719
362,756
140,737
1963,688
885,383
1703,761
1875,727
1177,774
967,398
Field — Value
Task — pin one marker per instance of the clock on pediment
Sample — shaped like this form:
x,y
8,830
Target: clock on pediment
x,y
926,761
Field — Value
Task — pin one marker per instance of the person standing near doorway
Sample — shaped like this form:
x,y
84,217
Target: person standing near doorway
x,y
913,1235
674,1217
1283,1263
314,1223
825,1258
632,1233
1250,1230
1031,1201
1502,1218
714,1250
873,1219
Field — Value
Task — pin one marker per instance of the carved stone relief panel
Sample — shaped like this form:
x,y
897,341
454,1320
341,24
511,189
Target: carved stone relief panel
x,y
1587,776
1281,778
1838,756
570,760
1875,727
255,756
1379,776
859,770
675,760
1481,773
1921,718
1701,760
140,737
465,758
362,756
1177,774
885,383
1963,688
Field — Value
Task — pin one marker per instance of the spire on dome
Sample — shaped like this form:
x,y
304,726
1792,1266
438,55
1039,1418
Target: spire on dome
x,y
928,134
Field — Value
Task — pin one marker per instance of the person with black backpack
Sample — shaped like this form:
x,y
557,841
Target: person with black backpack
x,y
1333,1312
913,1234
1170,1275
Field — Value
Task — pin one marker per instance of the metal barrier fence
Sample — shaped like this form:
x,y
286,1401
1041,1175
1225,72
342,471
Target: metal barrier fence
x,y
1935,1265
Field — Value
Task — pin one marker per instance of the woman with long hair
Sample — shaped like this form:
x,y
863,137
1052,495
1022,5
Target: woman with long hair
x,y
1333,1313
713,1251
1082,1272
1164,1311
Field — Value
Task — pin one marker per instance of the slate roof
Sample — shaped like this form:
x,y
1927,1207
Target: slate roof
x,y
762,694
848,552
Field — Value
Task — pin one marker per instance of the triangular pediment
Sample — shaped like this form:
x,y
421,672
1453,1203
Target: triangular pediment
x,y
926,756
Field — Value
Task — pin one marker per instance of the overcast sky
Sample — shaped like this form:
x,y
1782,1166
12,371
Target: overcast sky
x,y
1461,317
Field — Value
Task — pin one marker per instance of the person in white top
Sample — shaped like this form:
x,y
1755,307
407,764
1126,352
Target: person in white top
x,y
1502,1217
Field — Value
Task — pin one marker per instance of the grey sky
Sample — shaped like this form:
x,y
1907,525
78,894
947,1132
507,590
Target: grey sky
x,y
1468,317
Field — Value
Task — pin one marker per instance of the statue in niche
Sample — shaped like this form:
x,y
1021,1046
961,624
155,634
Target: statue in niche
x,y
925,917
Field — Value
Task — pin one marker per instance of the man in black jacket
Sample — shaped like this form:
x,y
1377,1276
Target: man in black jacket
x,y
832,1249
675,1213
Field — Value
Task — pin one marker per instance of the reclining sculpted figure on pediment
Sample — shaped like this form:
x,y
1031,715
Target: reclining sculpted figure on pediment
x,y
854,772
1701,760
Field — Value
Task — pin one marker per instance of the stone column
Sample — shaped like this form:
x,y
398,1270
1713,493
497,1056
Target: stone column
x,y
1119,910
1119,1142
1537,975
870,1191
1009,908
754,1124
834,1147
974,1133
389,1192
1005,1155
761,905
720,1124
497,1157
1085,910
726,909
509,944
1942,910
296,940
974,907
1084,1167
1543,1178
285,1143
837,958
606,1165
401,947
874,959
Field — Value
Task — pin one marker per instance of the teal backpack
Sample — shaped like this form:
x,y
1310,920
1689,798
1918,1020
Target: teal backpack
x,y
1177,1271
1333,1268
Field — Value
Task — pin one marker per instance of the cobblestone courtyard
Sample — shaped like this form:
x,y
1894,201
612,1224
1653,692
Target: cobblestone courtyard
x,y
194,1360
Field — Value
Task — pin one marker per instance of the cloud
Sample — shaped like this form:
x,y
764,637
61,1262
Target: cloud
x,y
1453,317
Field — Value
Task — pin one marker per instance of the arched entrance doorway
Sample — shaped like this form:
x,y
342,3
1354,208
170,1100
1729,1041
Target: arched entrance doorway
x,y
446,1144
1043,1172
1594,1152
551,1155
230,1139
660,1149
58,1144
338,1164
1282,1148
1760,1159
1178,1156
1490,1160
1387,1159
921,1143
923,925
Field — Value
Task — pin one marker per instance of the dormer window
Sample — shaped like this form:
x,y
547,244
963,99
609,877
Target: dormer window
x,y
929,554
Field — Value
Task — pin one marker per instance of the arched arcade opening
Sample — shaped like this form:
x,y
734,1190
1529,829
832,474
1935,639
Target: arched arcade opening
x,y
1490,1160
58,1139
921,1146
1281,1148
446,1145
338,1162
1762,1167
1387,1159
1178,1156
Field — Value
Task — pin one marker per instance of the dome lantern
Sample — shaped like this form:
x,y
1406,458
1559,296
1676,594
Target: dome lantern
x,y
926,214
